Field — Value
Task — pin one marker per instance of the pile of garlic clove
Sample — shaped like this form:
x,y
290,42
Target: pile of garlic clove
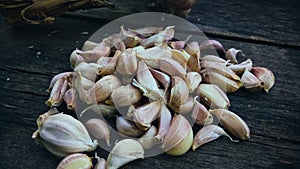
x,y
160,82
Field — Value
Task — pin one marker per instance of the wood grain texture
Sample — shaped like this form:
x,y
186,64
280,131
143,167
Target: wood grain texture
x,y
274,23
24,76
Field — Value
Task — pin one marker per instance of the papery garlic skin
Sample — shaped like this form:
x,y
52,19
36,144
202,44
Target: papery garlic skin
x,y
62,134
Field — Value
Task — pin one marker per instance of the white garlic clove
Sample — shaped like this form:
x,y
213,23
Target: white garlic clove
x,y
266,76
76,160
62,134
251,82
240,68
212,44
212,96
101,109
233,123
164,120
70,98
200,114
57,93
207,134
127,128
232,53
192,80
179,137
124,151
171,67
98,129
126,96
179,93
145,115
147,140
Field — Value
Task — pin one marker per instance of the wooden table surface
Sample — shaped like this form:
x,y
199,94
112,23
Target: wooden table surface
x,y
267,32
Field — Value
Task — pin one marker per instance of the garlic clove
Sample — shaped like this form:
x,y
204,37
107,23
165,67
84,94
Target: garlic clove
x,y
98,129
250,82
127,63
225,83
207,134
212,96
100,109
145,115
70,98
82,85
179,137
212,44
192,80
152,55
233,123
146,82
57,93
186,107
171,67
179,56
179,93
57,77
266,76
200,114
146,31
163,78
76,160
177,44
147,140
129,38
213,58
102,89
75,58
165,35
62,134
126,96
123,152
193,49
240,68
232,53
164,121
115,42
107,65
90,56
87,70
127,128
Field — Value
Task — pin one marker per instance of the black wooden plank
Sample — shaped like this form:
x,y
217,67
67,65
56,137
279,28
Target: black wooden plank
x,y
269,22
